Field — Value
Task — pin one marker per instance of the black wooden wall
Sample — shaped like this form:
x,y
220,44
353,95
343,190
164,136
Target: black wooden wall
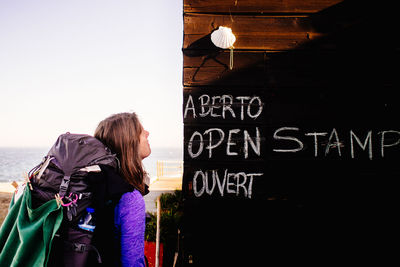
x,y
296,147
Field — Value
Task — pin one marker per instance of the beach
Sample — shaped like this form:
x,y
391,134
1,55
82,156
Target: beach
x,y
6,191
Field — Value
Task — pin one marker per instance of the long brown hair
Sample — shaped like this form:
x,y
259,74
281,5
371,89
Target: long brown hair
x,y
121,133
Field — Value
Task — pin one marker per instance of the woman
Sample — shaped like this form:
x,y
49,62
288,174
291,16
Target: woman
x,y
125,136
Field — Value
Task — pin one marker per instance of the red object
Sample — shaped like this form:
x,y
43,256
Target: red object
x,y
150,253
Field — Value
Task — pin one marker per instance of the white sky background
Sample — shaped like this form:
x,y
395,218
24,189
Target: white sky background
x,y
67,64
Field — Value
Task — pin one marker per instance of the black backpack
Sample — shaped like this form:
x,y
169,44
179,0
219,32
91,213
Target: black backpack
x,y
64,171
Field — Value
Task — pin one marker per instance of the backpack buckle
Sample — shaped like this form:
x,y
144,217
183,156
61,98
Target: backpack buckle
x,y
64,185
79,247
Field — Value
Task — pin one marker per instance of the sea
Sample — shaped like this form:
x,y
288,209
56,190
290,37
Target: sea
x,y
16,161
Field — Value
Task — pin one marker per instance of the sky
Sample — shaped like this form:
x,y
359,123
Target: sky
x,y
65,65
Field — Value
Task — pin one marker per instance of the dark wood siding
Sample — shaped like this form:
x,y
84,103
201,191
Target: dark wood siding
x,y
257,6
307,117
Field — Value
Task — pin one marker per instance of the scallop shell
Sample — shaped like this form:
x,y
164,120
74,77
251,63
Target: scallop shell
x,y
223,37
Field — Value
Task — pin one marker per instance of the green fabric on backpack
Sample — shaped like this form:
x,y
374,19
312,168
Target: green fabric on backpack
x,y
26,234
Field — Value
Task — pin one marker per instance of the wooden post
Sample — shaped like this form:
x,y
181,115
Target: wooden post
x,y
158,232
158,169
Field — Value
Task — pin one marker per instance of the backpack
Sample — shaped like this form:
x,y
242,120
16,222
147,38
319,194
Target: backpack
x,y
64,173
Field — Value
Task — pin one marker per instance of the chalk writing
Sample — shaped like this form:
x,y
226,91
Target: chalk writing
x,y
222,143
216,136
246,143
236,183
334,142
383,145
224,106
363,146
290,138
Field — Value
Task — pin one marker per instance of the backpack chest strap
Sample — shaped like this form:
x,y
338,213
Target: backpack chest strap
x,y
64,185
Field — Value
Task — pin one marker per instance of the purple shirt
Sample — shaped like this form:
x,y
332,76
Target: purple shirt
x,y
130,223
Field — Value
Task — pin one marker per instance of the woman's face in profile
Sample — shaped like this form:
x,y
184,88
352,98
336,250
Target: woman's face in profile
x,y
144,146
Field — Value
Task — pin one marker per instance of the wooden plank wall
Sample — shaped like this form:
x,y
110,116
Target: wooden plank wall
x,y
297,138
